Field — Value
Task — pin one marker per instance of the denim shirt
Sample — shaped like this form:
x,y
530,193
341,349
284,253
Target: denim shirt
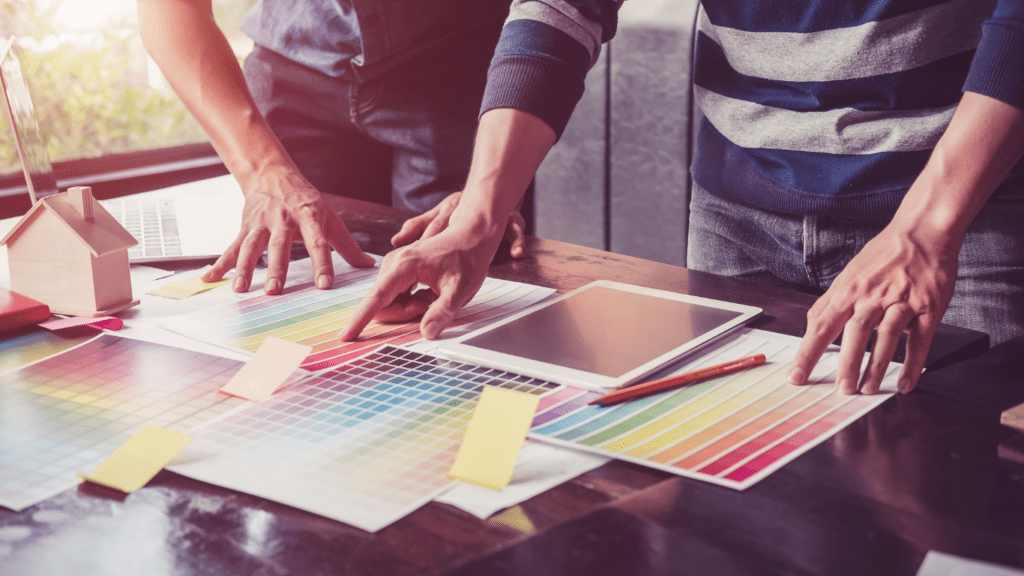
x,y
361,39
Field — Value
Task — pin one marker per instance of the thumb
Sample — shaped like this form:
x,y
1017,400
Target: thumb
x,y
438,316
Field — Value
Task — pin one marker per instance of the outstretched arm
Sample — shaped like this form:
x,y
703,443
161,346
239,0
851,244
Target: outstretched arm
x,y
280,204
903,279
535,79
510,146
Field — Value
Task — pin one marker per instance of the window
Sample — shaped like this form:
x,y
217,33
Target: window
x,y
95,91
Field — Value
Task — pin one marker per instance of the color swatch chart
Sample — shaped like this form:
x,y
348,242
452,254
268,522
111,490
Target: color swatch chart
x,y
34,346
732,430
365,443
313,317
72,410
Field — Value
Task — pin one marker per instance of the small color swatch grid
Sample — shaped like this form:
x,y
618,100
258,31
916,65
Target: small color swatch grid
x,y
313,317
30,347
365,443
70,411
732,430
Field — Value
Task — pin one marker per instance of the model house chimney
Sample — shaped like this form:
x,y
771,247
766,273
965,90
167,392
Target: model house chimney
x,y
81,200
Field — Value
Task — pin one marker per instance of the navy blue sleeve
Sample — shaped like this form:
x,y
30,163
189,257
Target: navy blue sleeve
x,y
998,67
540,69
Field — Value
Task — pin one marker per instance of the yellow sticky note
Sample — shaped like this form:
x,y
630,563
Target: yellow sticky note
x,y
514,518
494,437
139,459
274,361
186,288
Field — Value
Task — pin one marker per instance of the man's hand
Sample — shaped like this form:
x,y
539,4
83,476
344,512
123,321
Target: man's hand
x,y
903,279
283,208
431,223
280,205
451,263
900,282
457,239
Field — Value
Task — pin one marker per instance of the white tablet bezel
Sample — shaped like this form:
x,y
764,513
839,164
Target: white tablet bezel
x,y
456,349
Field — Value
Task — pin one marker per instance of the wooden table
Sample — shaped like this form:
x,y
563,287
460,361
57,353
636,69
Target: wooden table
x,y
921,472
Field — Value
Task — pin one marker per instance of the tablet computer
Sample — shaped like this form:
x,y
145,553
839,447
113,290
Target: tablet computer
x,y
601,336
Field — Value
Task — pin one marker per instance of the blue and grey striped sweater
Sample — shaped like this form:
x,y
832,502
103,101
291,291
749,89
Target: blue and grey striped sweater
x,y
811,106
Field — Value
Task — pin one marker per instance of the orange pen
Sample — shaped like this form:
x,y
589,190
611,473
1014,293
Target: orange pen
x,y
678,380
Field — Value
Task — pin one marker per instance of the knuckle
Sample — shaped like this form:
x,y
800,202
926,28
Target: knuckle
x,y
318,243
278,242
309,211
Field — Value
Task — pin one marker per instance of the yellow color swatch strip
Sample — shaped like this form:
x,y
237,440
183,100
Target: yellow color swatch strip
x,y
139,459
185,288
494,436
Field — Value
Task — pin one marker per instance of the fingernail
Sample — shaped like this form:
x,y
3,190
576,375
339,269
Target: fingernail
x,y
797,376
323,281
239,284
273,285
904,385
431,329
847,386
871,386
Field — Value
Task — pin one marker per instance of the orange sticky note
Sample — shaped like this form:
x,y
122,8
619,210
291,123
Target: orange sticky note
x,y
274,361
487,456
139,459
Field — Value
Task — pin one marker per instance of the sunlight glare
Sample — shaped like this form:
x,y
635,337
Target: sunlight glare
x,y
92,14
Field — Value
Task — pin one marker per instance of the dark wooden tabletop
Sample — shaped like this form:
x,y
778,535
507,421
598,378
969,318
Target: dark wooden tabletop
x,y
922,472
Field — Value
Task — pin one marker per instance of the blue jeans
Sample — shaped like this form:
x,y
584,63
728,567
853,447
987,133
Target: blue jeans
x,y
404,139
806,253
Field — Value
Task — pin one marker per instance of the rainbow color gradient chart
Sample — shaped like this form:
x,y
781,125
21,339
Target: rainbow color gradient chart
x,y
364,443
29,347
313,317
733,430
70,411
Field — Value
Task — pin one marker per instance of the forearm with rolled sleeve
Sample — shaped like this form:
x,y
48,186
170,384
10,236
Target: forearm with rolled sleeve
x,y
545,51
998,66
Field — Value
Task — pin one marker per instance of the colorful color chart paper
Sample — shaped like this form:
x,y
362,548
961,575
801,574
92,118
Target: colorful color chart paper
x,y
733,430
313,317
365,443
34,346
70,411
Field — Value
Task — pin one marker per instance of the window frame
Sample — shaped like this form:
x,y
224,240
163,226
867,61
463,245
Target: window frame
x,y
120,174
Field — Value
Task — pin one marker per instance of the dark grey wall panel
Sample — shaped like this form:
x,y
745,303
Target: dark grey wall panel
x,y
650,131
570,198
637,202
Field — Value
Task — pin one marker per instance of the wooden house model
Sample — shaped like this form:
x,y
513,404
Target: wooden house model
x,y
68,252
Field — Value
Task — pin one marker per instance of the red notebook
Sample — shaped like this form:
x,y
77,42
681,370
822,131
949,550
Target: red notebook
x,y
17,310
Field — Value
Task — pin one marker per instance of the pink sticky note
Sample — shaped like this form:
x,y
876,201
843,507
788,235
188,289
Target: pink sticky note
x,y
99,322
268,369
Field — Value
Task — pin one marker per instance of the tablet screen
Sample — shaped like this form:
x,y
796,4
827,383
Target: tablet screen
x,y
603,330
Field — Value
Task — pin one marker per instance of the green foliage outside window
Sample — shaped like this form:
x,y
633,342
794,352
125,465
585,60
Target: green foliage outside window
x,y
91,93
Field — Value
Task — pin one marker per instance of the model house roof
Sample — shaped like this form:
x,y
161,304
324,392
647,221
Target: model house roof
x,y
100,231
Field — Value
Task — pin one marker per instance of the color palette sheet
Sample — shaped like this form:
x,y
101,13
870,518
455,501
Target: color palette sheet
x,y
70,411
32,346
313,317
733,430
364,443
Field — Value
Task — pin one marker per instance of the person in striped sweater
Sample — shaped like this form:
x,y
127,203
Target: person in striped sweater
x,y
867,150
